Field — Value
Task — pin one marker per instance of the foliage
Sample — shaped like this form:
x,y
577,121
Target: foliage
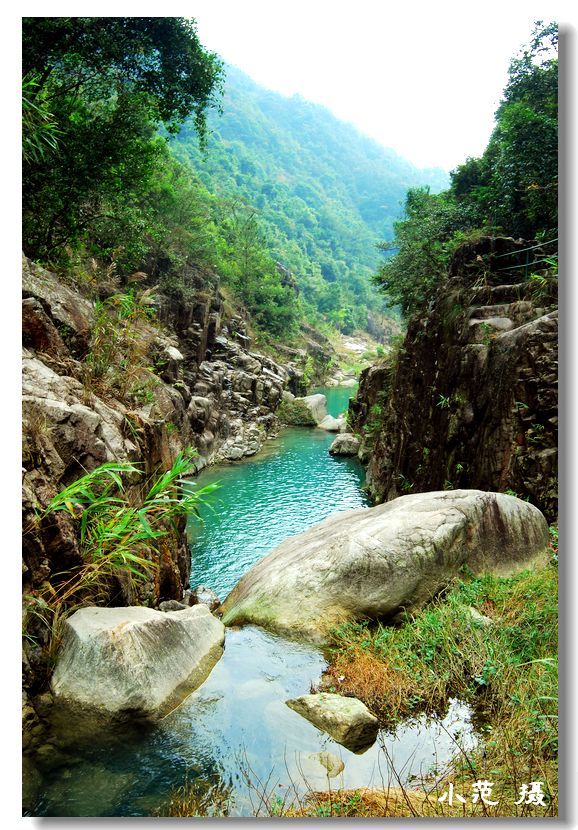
x,y
515,182
118,536
324,193
511,189
39,128
103,85
506,670
425,240
118,361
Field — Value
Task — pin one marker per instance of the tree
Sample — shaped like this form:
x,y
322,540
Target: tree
x,y
105,85
424,240
158,56
515,182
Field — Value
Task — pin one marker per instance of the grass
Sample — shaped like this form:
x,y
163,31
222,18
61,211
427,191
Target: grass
x,y
505,670
120,541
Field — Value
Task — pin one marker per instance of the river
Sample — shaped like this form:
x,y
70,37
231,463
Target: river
x,y
234,734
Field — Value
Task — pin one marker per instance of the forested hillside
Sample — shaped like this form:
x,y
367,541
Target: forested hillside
x,y
123,168
324,194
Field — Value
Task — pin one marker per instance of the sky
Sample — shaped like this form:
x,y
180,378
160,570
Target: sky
x,y
422,78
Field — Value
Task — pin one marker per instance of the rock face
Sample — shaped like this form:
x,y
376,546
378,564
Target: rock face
x,y
207,390
372,563
471,400
346,719
345,444
135,661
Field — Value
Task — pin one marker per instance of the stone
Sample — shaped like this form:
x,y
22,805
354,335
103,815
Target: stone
x,y
479,619
295,413
374,562
317,406
331,762
170,361
346,719
202,596
330,424
134,661
462,411
172,605
345,444
348,383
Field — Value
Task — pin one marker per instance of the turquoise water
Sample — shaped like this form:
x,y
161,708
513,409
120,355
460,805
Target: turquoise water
x,y
291,486
235,735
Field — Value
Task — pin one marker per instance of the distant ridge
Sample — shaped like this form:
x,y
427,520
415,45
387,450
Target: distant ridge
x,y
326,193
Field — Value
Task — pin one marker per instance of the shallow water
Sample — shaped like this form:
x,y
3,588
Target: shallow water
x,y
235,732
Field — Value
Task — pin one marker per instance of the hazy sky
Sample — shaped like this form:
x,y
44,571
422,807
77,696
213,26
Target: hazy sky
x,y
422,78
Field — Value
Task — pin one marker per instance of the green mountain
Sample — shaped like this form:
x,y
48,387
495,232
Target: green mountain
x,y
324,194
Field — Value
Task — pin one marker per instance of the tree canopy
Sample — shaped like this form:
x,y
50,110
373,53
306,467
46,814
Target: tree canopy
x,y
511,189
96,90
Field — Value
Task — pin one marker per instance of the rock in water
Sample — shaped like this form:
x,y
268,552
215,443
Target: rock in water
x,y
135,661
202,596
317,405
331,424
345,444
371,563
346,719
303,412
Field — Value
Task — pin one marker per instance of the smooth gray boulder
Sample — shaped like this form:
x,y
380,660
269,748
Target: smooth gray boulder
x,y
317,406
135,661
331,424
374,562
345,444
346,719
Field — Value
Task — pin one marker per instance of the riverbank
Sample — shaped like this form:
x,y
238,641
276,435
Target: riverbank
x,y
490,641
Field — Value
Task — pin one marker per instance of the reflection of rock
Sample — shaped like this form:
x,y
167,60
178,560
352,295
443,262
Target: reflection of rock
x,y
345,444
97,788
346,719
135,661
331,762
370,563
258,687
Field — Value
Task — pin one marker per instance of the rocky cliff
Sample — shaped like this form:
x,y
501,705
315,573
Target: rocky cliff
x,y
470,399
181,374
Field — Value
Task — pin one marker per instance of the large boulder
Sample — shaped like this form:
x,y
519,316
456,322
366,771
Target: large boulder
x,y
372,563
346,719
331,424
135,661
317,406
309,411
345,444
